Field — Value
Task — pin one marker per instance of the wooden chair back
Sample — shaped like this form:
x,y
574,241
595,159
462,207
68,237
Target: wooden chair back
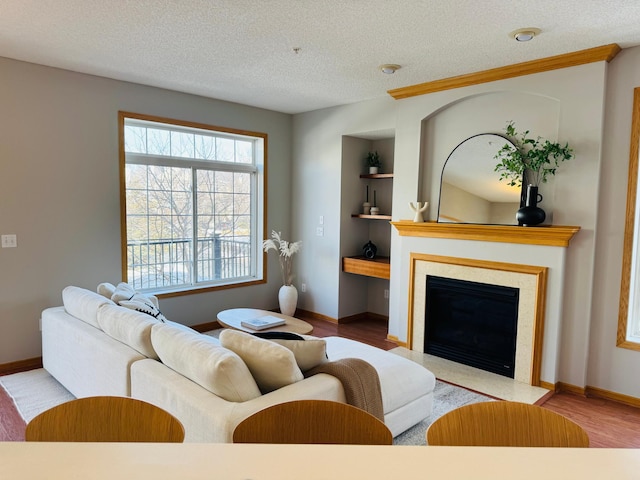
x,y
105,419
313,421
505,424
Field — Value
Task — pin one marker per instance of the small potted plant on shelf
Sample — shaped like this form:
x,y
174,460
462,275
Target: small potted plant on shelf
x,y
373,162
530,161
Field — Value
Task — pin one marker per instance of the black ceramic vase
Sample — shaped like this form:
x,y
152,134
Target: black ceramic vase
x,y
369,250
531,214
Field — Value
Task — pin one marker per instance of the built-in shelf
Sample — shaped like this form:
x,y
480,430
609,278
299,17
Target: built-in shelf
x,y
376,175
372,217
379,267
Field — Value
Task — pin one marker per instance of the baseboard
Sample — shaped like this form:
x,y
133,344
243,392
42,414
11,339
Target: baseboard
x,y
613,396
547,385
315,316
21,366
562,387
394,339
595,392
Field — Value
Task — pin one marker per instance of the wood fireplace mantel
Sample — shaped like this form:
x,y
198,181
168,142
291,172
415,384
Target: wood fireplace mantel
x,y
552,235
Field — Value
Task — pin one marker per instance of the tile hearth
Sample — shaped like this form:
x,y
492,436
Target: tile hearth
x,y
475,379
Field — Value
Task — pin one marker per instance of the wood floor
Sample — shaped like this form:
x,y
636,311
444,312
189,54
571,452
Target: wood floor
x,y
609,424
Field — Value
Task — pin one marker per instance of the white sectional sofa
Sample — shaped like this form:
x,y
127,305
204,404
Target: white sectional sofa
x,y
94,346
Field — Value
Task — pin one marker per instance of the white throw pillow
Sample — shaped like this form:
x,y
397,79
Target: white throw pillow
x,y
129,327
126,296
272,366
83,304
142,305
309,351
106,289
201,359
124,291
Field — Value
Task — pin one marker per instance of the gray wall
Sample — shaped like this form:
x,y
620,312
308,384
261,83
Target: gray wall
x,y
59,191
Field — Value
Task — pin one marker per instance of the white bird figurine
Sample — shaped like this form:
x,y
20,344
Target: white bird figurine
x,y
419,207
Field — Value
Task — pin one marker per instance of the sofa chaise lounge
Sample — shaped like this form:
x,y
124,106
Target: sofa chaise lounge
x,y
94,346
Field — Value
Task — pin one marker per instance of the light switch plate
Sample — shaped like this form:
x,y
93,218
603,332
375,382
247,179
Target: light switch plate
x,y
9,241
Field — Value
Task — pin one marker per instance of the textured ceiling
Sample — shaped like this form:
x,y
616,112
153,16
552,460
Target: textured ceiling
x,y
243,51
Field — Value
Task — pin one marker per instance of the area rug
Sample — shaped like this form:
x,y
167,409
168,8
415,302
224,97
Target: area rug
x,y
446,397
36,391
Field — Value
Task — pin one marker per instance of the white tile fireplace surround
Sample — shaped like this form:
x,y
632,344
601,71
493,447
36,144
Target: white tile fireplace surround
x,y
531,259
529,280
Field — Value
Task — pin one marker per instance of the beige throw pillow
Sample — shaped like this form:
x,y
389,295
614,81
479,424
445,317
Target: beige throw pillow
x,y
129,327
201,359
309,351
83,303
272,366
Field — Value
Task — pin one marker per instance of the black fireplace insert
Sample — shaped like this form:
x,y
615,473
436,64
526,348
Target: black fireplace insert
x,y
472,323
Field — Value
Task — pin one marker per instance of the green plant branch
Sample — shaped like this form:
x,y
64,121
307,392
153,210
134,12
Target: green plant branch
x,y
539,158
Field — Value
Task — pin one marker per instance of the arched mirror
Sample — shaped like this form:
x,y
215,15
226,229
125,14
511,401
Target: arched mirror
x,y
470,189
629,311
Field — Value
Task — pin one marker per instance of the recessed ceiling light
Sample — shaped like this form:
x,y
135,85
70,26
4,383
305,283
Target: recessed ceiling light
x,y
525,34
389,68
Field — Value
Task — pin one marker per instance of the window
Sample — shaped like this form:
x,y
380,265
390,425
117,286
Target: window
x,y
629,312
192,204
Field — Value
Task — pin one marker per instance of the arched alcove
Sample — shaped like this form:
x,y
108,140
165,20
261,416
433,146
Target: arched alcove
x,y
490,112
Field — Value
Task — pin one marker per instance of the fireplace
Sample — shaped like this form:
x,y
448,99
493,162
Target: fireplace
x,y
528,280
487,254
472,323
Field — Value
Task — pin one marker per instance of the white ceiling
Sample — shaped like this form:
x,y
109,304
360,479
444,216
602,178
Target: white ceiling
x,y
242,50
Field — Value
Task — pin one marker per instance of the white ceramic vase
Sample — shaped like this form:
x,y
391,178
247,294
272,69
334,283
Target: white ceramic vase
x,y
373,170
288,299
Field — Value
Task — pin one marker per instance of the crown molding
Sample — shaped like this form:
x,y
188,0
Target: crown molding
x,y
598,54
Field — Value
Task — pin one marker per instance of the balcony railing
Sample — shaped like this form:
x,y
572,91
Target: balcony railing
x,y
168,263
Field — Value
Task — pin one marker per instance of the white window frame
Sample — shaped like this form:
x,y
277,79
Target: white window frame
x,y
256,168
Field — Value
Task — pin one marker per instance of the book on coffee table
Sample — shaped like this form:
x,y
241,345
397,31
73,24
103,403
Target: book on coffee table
x,y
261,323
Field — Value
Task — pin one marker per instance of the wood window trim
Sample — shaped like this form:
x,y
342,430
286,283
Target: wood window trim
x,y
629,227
122,116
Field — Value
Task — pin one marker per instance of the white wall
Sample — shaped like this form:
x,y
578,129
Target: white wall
x,y
59,191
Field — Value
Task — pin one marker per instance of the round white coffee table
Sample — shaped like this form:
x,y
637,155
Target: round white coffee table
x,y
231,318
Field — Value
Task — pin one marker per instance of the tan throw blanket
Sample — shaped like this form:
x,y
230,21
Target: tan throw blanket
x,y
360,382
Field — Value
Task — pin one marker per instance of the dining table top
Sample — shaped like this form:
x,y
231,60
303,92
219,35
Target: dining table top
x,y
195,461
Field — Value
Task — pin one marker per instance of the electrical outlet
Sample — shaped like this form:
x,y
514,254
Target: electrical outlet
x,y
303,287
9,241
319,232
386,293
